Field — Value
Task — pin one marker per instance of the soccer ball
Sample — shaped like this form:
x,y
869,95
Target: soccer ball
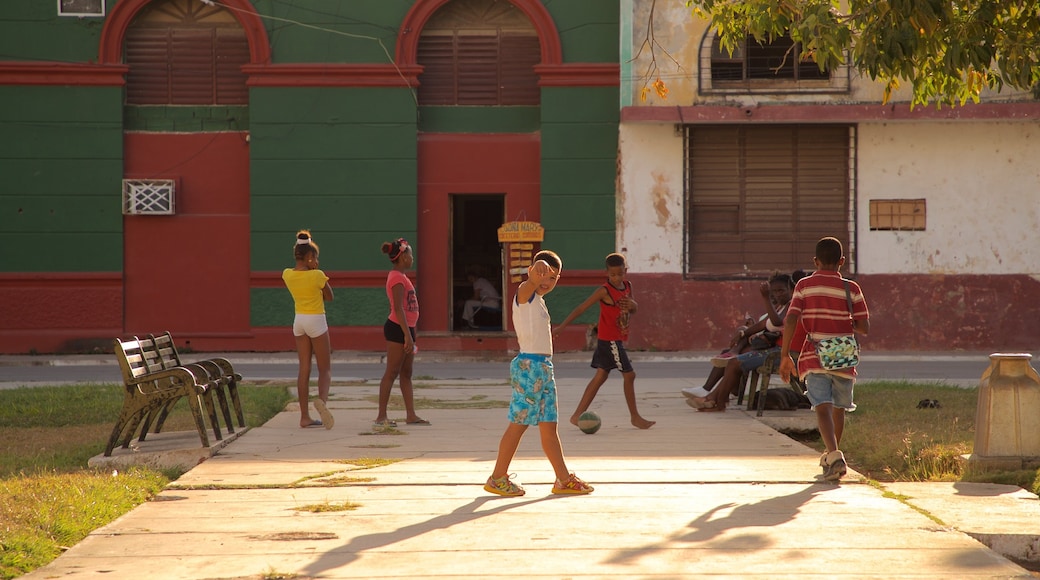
x,y
589,422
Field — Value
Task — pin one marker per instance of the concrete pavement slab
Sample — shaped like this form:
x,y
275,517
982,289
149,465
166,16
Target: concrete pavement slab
x,y
718,494
1003,517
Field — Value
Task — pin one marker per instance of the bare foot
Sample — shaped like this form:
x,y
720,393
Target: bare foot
x,y
712,409
307,422
642,423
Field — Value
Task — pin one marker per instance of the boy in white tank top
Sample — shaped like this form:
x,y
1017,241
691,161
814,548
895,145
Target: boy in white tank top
x,y
534,387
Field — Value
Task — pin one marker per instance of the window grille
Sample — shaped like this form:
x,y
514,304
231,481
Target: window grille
x,y
898,214
773,67
148,196
81,7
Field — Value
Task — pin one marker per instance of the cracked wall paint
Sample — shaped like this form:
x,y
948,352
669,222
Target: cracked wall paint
x,y
983,211
661,196
650,197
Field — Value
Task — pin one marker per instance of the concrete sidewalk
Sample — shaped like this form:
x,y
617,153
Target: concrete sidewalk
x,y
719,494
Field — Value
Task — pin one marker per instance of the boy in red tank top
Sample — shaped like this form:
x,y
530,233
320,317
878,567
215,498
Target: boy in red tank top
x,y
615,307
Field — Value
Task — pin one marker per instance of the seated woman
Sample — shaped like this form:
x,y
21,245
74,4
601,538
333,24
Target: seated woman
x,y
752,336
484,296
779,289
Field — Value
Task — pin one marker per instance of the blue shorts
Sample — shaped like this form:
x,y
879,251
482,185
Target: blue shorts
x,y
824,388
752,359
534,390
610,355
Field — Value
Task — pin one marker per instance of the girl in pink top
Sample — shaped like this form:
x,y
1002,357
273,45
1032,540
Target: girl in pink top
x,y
399,332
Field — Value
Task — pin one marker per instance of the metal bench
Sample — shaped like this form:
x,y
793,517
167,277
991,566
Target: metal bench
x,y
219,370
151,389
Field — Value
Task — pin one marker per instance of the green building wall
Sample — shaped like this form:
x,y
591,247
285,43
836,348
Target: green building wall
x,y
338,160
342,163
61,170
31,30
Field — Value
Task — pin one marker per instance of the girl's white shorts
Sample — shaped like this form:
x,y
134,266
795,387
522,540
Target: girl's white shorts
x,y
313,325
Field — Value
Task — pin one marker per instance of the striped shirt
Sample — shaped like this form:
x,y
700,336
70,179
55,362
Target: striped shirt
x,y
819,301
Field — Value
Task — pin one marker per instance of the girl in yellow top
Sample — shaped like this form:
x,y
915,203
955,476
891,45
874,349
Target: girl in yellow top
x,y
310,290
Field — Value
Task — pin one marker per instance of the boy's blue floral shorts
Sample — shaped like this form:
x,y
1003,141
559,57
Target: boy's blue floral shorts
x,y
534,390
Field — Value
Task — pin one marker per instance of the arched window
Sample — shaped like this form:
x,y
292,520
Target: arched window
x,y
183,52
479,52
764,67
779,59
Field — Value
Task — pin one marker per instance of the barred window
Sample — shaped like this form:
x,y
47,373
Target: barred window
x,y
779,59
774,67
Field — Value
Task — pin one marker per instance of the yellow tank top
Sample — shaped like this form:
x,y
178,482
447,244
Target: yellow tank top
x,y
305,287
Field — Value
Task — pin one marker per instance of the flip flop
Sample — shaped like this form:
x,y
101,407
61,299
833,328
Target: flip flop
x,y
384,424
712,409
314,423
418,422
699,403
326,417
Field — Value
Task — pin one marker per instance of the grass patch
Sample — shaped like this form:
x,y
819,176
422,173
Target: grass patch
x,y
347,479
320,508
383,430
368,462
272,574
49,499
888,438
44,514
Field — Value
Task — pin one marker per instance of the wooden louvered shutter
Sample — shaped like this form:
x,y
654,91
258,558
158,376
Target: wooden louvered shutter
x,y
479,69
232,52
147,54
437,82
518,81
761,197
186,66
192,68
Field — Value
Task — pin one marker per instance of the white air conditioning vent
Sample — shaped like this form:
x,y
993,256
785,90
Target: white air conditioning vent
x,y
148,196
81,7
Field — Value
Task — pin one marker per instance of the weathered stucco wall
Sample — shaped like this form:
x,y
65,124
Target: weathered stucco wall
x,y
650,198
969,281
981,185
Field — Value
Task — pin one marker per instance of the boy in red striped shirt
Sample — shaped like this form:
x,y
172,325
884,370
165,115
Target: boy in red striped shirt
x,y
820,304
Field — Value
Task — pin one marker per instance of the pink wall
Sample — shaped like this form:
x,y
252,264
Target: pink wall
x,y
908,313
912,313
